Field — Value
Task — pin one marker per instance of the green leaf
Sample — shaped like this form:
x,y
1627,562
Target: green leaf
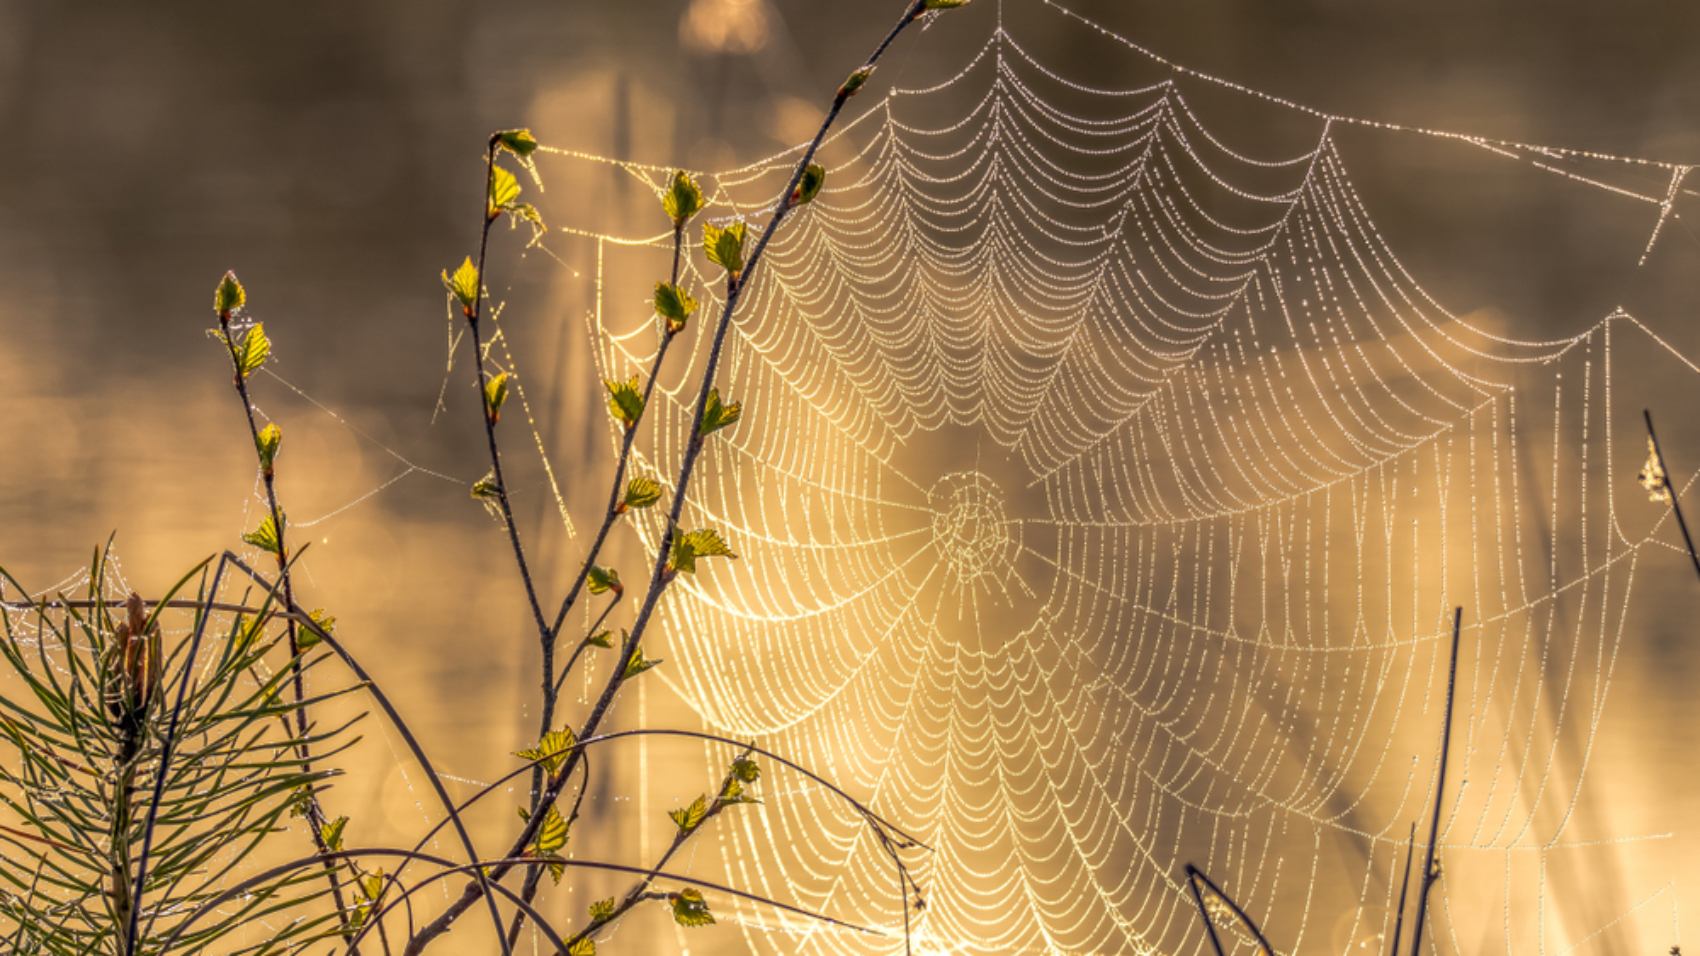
x,y
265,537
673,304
690,909
716,415
602,911
305,638
733,794
504,189
520,142
691,817
746,769
641,492
552,750
814,177
604,579
945,4
638,664
300,801
601,639
529,213
486,492
704,543
463,285
682,200
725,246
855,82
371,884
229,296
495,393
266,444
331,834
625,401
583,947
251,354
551,834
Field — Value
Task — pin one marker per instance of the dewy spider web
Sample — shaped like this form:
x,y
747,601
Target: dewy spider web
x,y
1103,496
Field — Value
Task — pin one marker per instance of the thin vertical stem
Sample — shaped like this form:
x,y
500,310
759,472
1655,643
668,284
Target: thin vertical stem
x,y
1404,887
298,681
1429,875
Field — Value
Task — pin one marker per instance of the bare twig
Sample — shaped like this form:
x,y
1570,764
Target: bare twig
x,y
1404,887
1194,876
1430,876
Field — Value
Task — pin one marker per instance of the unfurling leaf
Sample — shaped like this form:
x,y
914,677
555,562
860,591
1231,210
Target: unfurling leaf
x,y
673,304
601,639
529,213
814,177
855,82
690,909
625,401
551,751
266,444
551,837
551,834
602,911
746,769
504,189
371,884
703,543
488,493
266,537
229,296
641,492
300,801
495,393
733,794
1652,476
716,415
252,353
725,246
691,817
637,664
520,142
584,947
306,637
463,285
603,579
682,200
331,834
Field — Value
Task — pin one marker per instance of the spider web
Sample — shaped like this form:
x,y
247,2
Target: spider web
x,y
1103,498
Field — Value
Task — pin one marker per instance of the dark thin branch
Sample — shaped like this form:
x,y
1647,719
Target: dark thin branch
x,y
490,215
1194,876
298,680
1404,887
401,728
1429,873
1675,505
613,513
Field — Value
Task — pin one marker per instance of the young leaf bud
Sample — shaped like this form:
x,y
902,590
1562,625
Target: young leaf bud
x,y
814,177
682,200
